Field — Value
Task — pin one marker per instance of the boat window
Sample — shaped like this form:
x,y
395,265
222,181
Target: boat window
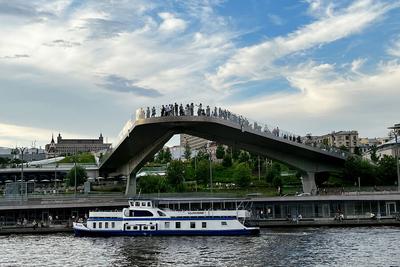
x,y
143,204
167,225
160,213
224,223
135,227
106,225
203,224
94,225
192,224
149,204
145,227
142,213
177,224
152,227
128,228
137,204
112,224
100,225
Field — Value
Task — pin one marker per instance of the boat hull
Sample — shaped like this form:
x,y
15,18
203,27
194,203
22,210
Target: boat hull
x,y
109,233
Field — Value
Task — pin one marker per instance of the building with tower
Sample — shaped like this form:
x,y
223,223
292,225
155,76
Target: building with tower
x,y
73,146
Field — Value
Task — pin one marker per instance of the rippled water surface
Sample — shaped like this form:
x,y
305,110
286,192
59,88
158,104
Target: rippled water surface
x,y
283,247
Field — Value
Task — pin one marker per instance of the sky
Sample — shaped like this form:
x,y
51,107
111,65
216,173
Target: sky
x,y
82,67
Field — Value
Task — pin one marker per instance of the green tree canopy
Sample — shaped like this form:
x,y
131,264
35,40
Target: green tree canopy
x,y
374,155
220,152
153,184
387,170
244,156
81,176
203,171
273,171
176,173
242,174
227,161
188,151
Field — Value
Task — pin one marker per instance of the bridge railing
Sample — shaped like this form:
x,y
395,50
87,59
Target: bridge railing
x,y
224,114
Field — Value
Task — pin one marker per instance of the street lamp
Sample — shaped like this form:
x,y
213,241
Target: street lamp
x,y
396,131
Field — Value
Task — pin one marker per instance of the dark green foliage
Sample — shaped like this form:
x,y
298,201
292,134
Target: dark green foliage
x,y
357,151
227,161
202,155
244,156
153,184
374,156
81,176
277,181
387,170
220,152
242,174
163,156
176,173
273,171
357,167
203,171
188,151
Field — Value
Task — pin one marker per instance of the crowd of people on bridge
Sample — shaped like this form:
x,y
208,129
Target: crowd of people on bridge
x,y
216,112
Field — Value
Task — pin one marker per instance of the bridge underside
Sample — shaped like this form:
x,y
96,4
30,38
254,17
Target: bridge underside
x,y
148,136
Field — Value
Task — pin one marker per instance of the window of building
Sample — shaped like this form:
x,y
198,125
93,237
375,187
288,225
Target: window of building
x,y
203,224
192,224
106,225
224,224
166,225
177,225
94,225
100,225
112,224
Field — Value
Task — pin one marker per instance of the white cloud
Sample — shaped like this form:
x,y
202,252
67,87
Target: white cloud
x,y
394,50
327,101
16,135
257,62
171,23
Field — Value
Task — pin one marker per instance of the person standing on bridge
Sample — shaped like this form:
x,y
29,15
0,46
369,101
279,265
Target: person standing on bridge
x,y
208,111
153,112
162,111
147,113
191,109
176,109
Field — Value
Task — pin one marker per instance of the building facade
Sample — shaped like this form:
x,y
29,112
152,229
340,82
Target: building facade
x,y
346,139
194,142
73,146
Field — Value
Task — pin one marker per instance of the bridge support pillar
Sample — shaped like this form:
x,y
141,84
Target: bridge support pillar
x,y
309,185
131,185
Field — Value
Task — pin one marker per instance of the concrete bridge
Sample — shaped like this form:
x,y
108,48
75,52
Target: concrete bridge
x,y
147,136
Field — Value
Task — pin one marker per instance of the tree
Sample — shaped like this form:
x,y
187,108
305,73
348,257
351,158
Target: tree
x,y
203,171
220,152
242,174
374,156
167,155
273,171
357,151
152,184
176,174
244,156
355,167
227,161
81,176
188,152
387,170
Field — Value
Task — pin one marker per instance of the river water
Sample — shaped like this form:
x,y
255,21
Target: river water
x,y
366,246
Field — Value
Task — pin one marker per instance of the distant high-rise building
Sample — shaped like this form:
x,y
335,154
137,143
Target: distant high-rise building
x,y
73,146
194,142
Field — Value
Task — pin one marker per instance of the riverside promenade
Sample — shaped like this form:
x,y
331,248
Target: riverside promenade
x,y
57,212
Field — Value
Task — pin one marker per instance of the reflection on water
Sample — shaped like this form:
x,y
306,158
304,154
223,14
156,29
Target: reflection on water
x,y
280,247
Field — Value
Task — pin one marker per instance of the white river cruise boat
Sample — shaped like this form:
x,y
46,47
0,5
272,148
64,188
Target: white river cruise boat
x,y
142,218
